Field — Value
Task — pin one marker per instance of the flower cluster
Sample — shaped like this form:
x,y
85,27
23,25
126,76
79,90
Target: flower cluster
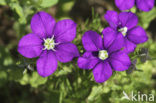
x,y
144,5
111,52
51,42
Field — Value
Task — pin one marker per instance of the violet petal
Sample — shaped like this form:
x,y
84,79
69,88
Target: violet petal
x,y
108,36
137,35
66,52
112,18
129,46
46,64
65,31
87,61
30,46
145,5
92,41
102,72
42,24
120,61
124,4
117,44
128,19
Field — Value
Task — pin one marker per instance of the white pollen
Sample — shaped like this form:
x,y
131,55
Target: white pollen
x,y
103,54
123,30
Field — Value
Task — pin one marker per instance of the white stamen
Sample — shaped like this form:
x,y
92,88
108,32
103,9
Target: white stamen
x,y
123,30
103,54
49,44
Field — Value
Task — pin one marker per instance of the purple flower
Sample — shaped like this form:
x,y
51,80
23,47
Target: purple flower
x,y
103,55
126,23
144,5
50,41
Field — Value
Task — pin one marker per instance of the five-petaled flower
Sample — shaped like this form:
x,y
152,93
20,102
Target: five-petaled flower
x,y
103,55
126,23
144,5
50,41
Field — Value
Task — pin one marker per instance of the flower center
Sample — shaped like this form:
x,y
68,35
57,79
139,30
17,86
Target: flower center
x,y
49,44
103,54
123,30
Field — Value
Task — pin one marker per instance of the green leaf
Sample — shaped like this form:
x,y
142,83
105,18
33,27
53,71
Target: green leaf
x,y
48,3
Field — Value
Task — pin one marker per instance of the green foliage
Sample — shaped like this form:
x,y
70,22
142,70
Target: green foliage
x,y
25,8
146,17
2,2
68,84
34,80
48,3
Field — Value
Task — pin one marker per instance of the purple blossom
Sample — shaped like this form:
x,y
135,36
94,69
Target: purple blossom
x,y
126,23
103,54
50,41
144,5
